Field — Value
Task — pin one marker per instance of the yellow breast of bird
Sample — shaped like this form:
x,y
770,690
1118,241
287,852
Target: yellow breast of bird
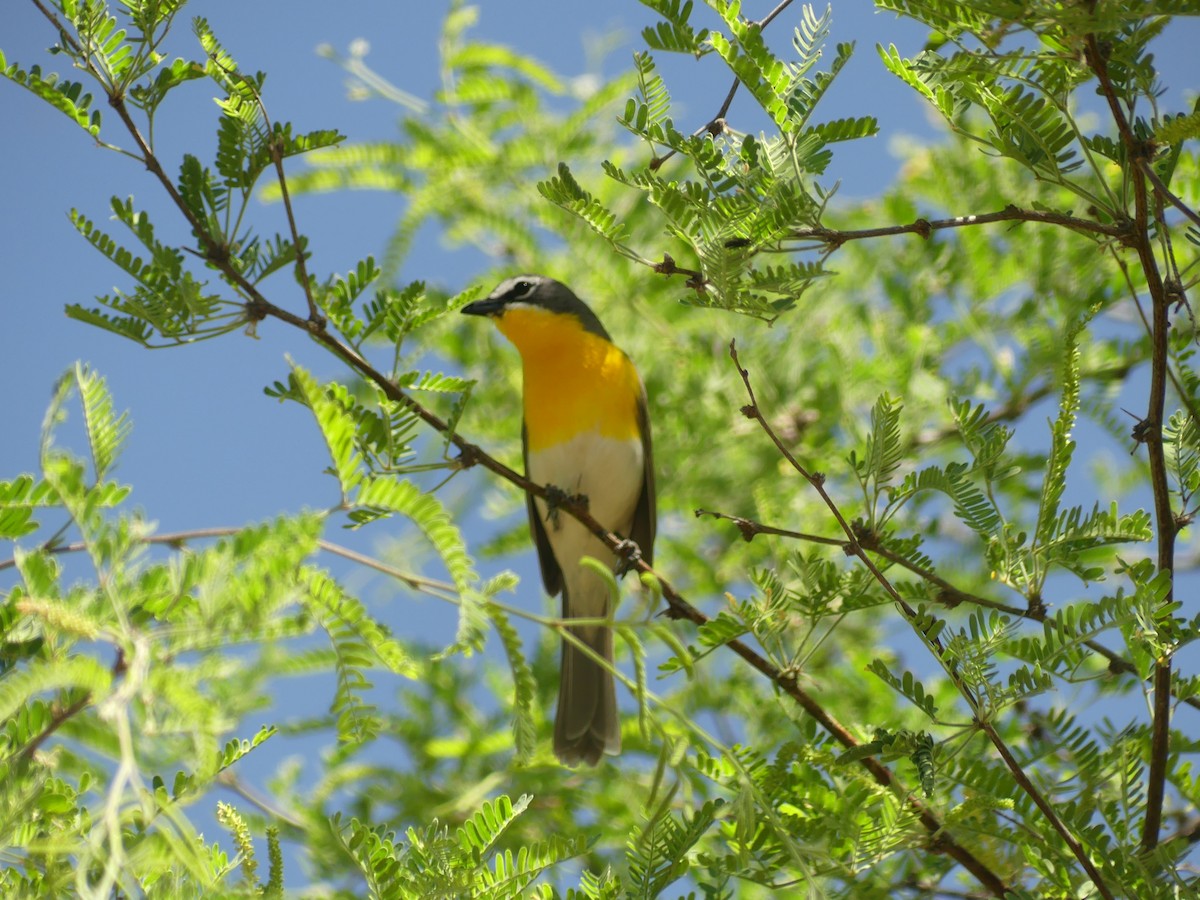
x,y
576,382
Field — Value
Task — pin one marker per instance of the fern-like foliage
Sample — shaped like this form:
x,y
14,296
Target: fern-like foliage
x,y
744,194
524,686
106,430
360,643
675,34
908,686
166,301
884,452
566,192
68,97
437,862
657,857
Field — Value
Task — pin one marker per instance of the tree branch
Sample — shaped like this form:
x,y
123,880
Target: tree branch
x,y
177,538
716,124
62,715
1147,169
834,238
1151,431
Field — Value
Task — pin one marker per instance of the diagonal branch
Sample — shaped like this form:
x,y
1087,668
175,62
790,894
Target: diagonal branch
x,y
1147,169
855,548
716,124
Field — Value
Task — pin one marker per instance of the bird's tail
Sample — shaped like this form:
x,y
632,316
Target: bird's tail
x,y
586,726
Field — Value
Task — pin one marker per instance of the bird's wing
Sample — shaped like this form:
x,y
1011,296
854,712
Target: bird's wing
x,y
645,515
551,573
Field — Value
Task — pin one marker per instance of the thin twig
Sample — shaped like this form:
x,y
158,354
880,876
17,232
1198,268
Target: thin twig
x,y
855,548
228,779
716,124
1017,406
834,237
178,538
1147,169
315,319
750,528
58,718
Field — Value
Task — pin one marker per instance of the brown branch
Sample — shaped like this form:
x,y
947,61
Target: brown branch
x,y
1189,832
1165,522
834,238
59,717
817,481
178,538
1017,406
315,319
943,842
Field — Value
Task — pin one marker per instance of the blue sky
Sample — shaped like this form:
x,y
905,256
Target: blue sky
x,y
202,424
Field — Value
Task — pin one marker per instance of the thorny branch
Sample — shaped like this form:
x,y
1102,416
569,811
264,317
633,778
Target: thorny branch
x,y
834,238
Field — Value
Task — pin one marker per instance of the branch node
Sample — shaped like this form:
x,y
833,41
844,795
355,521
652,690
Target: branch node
x,y
748,529
948,598
468,456
256,311
630,555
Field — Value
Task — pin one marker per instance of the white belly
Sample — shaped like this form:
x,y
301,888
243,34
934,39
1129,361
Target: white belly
x,y
607,471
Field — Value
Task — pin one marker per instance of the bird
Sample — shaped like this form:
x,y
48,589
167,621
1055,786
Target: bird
x,y
586,434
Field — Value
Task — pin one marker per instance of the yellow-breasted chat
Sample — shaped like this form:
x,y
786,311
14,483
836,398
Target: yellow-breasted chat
x,y
586,432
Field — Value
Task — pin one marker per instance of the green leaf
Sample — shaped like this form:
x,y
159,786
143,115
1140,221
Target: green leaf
x,y
106,431
907,686
68,97
564,191
524,685
676,34
18,499
337,428
359,641
80,673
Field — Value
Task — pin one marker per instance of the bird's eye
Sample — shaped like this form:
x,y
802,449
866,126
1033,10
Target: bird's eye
x,y
521,289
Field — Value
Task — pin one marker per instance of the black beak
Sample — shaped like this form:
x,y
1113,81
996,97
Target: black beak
x,y
488,306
